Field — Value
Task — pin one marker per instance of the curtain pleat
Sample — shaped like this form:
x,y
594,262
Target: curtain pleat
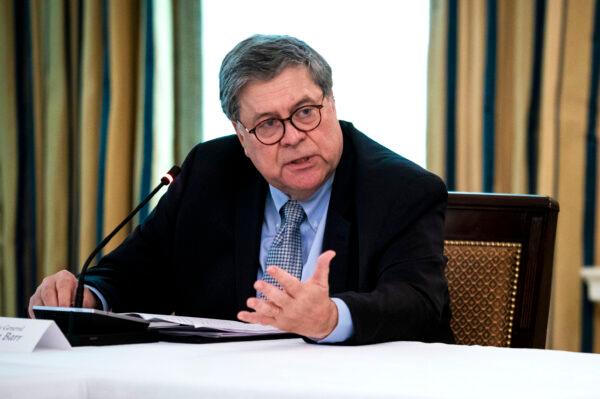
x,y
437,86
73,40
54,170
515,47
39,30
8,161
596,310
104,122
26,240
121,124
469,104
537,16
592,235
143,125
489,96
527,90
163,133
573,183
90,113
451,94
188,77
88,110
551,86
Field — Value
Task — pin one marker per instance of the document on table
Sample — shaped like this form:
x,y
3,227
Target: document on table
x,y
216,328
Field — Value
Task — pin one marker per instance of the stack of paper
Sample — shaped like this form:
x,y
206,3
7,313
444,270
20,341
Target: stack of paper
x,y
210,328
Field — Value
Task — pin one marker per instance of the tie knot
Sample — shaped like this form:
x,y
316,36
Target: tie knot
x,y
293,213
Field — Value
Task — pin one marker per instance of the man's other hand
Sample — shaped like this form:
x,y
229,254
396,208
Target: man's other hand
x,y
301,308
59,290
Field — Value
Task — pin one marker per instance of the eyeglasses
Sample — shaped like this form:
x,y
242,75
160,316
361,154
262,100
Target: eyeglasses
x,y
271,131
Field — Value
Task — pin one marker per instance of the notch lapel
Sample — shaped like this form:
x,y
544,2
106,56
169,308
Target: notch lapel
x,y
339,221
249,209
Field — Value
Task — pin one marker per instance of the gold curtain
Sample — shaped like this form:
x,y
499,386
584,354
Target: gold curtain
x,y
88,119
8,172
540,108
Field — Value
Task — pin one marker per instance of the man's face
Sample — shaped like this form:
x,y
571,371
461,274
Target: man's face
x,y
300,163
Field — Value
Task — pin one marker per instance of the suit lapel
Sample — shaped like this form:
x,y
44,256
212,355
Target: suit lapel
x,y
249,208
339,220
336,238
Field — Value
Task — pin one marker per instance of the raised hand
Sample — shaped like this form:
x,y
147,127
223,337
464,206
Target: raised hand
x,y
302,308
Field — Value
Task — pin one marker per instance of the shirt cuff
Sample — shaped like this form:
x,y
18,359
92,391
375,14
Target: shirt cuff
x,y
99,296
344,328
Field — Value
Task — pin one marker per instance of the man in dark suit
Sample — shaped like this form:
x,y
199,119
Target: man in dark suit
x,y
299,221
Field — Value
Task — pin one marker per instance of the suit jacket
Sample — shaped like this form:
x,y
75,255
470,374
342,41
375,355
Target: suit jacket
x,y
197,253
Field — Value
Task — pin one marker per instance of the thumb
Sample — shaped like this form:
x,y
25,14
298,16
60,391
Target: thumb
x,y
321,275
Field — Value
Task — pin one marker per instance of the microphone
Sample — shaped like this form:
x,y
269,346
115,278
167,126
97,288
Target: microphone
x,y
83,326
164,181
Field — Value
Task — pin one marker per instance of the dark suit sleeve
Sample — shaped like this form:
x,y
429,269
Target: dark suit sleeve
x,y
409,295
138,275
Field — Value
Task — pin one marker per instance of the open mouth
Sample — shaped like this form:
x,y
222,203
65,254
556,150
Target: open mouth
x,y
300,160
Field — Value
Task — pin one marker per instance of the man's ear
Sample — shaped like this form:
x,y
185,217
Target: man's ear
x,y
235,125
240,136
332,101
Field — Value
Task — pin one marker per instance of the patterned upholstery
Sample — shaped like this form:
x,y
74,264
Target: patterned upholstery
x,y
500,249
482,278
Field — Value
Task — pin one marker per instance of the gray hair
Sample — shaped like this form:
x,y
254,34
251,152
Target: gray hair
x,y
262,57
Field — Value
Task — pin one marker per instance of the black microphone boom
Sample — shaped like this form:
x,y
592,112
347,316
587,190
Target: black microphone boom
x,y
164,181
97,327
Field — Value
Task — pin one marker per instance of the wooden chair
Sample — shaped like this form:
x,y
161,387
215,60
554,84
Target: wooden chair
x,y
500,250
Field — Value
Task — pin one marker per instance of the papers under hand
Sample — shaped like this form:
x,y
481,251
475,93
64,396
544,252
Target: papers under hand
x,y
96,327
211,328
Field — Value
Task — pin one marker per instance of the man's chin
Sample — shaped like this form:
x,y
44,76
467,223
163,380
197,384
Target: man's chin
x,y
302,192
301,185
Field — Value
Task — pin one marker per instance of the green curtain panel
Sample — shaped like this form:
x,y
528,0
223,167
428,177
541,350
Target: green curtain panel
x,y
100,98
513,107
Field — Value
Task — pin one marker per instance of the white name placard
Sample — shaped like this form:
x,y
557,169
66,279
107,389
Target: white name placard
x,y
26,335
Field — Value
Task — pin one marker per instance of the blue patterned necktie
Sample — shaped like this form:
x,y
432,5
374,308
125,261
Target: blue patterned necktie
x,y
286,249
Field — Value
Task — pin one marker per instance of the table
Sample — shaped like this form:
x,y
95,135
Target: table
x,y
291,368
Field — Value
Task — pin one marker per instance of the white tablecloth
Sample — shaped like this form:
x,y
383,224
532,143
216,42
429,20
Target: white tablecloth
x,y
294,369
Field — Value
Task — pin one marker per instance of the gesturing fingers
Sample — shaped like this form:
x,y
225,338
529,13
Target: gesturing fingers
x,y
302,308
290,284
321,275
264,307
272,293
255,318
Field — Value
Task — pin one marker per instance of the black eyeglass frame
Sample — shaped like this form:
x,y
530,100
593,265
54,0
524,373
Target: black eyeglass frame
x,y
318,107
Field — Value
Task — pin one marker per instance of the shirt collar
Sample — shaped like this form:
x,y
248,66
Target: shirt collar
x,y
314,207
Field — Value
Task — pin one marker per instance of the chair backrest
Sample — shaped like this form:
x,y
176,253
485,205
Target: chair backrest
x,y
500,250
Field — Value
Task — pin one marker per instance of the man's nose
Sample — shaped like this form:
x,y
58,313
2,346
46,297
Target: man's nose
x,y
292,136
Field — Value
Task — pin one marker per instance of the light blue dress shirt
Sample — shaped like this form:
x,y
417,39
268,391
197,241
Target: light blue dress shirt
x,y
312,231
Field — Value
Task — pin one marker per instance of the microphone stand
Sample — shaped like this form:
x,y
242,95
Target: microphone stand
x,y
99,323
81,280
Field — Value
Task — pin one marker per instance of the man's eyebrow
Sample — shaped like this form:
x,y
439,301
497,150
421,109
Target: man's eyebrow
x,y
303,101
